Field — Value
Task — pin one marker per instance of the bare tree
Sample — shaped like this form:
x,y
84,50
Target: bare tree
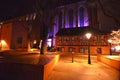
x,y
115,37
46,11
109,8
109,12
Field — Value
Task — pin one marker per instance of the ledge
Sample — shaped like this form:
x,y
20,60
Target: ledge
x,y
33,67
113,61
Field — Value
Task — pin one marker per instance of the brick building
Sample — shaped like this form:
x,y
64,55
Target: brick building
x,y
72,19
13,35
74,15
74,40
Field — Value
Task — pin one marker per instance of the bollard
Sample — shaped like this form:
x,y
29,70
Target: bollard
x,y
72,57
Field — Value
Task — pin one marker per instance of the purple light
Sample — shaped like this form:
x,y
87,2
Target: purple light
x,y
86,21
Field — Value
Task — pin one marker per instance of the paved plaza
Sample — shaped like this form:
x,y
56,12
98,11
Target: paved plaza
x,y
81,70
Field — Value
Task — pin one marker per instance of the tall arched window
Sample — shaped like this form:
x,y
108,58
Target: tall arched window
x,y
50,31
81,17
70,18
60,21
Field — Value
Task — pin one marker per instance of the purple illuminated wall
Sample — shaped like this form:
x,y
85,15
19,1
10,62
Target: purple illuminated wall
x,y
70,18
85,21
67,18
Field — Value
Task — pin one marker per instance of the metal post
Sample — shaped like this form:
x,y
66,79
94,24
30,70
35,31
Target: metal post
x,y
72,57
88,36
89,59
110,41
110,49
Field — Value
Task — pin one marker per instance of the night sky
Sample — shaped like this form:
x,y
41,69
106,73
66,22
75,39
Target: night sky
x,y
12,8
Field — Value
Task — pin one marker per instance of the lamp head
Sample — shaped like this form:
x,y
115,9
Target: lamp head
x,y
88,35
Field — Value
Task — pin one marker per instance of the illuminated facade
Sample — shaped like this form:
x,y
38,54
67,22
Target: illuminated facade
x,y
70,26
74,15
74,40
14,35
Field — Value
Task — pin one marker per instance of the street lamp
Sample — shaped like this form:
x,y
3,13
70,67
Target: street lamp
x,y
88,36
110,41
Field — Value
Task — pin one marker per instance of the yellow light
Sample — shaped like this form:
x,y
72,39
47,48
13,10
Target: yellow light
x,y
4,45
117,48
88,35
34,42
3,42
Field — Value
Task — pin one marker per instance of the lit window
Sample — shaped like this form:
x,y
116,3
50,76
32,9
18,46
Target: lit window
x,y
49,42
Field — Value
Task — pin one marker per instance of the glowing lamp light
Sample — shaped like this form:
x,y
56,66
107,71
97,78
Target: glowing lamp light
x,y
4,45
109,40
88,35
49,42
34,42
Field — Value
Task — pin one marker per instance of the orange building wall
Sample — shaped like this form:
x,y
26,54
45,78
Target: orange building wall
x,y
6,34
105,48
19,30
10,32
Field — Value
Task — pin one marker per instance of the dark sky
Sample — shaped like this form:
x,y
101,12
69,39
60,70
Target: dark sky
x,y
13,8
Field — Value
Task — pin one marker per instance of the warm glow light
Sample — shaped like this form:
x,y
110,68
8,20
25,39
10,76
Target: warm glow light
x,y
88,35
117,48
3,42
34,49
114,57
4,45
109,40
34,42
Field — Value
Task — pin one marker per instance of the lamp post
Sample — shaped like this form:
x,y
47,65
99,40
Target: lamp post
x,y
110,41
88,36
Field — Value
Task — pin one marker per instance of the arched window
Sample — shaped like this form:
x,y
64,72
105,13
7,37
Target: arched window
x,y
81,17
50,31
60,21
70,18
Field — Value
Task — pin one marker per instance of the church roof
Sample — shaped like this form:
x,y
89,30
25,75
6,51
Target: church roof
x,y
79,31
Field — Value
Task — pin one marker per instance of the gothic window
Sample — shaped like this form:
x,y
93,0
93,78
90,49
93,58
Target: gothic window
x,y
81,16
70,18
50,32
